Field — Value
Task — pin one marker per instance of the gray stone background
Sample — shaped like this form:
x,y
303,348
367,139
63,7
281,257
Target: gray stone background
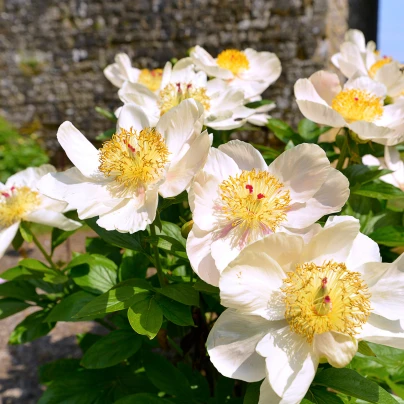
x,y
52,52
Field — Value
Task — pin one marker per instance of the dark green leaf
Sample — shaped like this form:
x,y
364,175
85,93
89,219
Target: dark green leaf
x,y
198,383
143,398
134,265
175,312
202,286
267,152
310,131
391,236
165,203
112,349
102,137
253,393
59,369
181,292
145,315
17,241
257,104
69,307
18,289
20,273
10,306
165,376
32,327
87,340
379,190
281,129
26,232
361,174
107,114
168,244
59,236
320,395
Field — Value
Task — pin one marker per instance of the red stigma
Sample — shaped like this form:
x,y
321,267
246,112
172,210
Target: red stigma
x,y
260,196
324,282
6,194
131,148
189,86
356,99
250,188
153,73
327,299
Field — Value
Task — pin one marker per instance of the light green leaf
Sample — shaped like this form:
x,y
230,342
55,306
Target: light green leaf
x,y
181,292
379,190
391,236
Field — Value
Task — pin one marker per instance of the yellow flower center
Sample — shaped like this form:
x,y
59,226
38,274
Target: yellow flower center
x,y
325,298
358,105
173,94
252,204
135,160
151,78
376,66
233,60
15,203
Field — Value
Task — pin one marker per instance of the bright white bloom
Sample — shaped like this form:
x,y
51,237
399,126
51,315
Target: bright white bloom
x,y
356,56
391,161
358,106
122,71
20,200
248,70
121,181
293,305
237,199
223,105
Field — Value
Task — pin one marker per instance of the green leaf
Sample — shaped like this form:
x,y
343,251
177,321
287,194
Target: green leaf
x,y
361,174
320,395
115,299
17,241
257,104
397,389
20,273
87,340
134,265
281,129
122,240
364,349
199,384
35,265
102,137
59,236
166,202
252,393
168,244
175,312
22,290
9,306
145,315
26,232
391,236
31,328
69,307
58,369
112,349
310,131
202,286
143,398
107,114
267,152
351,383
181,292
165,376
379,190
95,273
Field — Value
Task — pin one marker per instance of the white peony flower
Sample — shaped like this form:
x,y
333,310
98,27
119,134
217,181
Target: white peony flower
x,y
121,181
248,70
358,106
20,200
391,161
122,71
293,305
356,56
237,199
223,105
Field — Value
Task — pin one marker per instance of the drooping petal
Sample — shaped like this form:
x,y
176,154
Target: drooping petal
x,y
245,155
321,114
378,134
231,346
29,177
302,169
305,91
6,237
337,348
53,219
79,150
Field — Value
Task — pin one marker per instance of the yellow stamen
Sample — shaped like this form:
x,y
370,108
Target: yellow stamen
x,y
376,66
173,94
254,203
325,298
151,78
233,60
135,159
358,105
16,203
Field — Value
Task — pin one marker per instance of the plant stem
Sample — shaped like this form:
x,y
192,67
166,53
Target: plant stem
x,y
45,254
157,261
343,154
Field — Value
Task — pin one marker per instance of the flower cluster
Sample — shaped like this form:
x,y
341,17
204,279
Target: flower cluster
x,y
298,290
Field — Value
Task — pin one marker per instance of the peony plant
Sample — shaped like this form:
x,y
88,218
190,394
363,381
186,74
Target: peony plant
x,y
217,272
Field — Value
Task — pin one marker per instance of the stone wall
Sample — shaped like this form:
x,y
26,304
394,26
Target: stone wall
x,y
52,52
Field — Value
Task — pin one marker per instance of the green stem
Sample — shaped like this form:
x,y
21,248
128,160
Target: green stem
x,y
45,254
343,154
157,261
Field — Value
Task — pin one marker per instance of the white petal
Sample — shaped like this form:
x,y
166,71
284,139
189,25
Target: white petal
x,y
268,395
180,125
326,84
220,165
338,349
180,175
370,131
223,251
198,250
320,113
53,219
394,163
79,150
333,242
6,237
367,84
30,176
132,116
370,160
383,331
363,250
245,155
231,346
128,217
302,169
330,198
290,361
251,282
305,91
356,37
204,61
